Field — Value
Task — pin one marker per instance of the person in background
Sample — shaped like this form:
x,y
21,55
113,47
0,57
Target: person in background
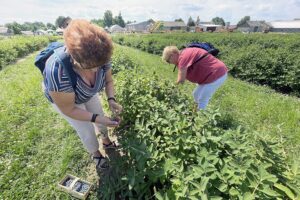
x,y
90,50
209,73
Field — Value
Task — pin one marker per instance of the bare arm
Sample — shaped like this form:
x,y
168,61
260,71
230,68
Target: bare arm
x,y
66,104
181,75
109,84
110,92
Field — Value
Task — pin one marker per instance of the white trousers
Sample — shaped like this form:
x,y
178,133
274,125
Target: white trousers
x,y
203,92
87,130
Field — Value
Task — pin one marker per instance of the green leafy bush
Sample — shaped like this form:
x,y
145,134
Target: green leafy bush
x,y
268,59
171,152
16,47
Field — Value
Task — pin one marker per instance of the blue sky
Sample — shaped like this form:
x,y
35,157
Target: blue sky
x,y
139,10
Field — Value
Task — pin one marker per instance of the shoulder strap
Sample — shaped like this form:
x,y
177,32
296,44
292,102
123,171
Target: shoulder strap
x,y
201,57
64,59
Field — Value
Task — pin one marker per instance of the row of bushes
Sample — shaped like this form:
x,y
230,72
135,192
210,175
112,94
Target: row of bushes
x,y
267,59
173,153
19,46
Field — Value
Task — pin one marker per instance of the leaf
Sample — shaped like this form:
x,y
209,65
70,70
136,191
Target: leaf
x,y
159,196
176,181
215,198
233,192
203,183
269,192
248,196
285,189
193,198
223,187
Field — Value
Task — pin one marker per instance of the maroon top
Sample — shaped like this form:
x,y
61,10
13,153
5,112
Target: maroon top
x,y
207,70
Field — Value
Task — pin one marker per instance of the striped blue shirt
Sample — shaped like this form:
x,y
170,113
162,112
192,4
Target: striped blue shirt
x,y
57,80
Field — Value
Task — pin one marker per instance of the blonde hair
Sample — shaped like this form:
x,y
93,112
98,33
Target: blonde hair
x,y
88,44
168,52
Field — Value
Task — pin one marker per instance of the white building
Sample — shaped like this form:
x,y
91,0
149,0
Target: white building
x,y
5,31
41,32
28,33
138,27
291,26
116,29
209,27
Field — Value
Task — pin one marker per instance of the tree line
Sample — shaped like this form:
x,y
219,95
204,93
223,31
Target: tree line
x,y
107,21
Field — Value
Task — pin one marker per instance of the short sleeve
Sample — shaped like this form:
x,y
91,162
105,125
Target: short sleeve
x,y
55,79
106,67
188,56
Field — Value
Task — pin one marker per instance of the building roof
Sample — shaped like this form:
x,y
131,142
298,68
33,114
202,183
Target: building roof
x,y
209,25
232,26
27,32
59,30
139,23
200,23
256,23
285,24
173,24
116,27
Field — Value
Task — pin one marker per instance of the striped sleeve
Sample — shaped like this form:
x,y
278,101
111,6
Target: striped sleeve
x,y
106,67
56,79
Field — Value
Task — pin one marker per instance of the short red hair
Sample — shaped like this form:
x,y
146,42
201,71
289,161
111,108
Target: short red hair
x,y
88,44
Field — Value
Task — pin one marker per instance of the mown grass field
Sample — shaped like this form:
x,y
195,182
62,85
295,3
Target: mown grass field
x,y
38,147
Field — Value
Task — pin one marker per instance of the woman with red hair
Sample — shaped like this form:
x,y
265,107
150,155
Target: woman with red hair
x,y
89,49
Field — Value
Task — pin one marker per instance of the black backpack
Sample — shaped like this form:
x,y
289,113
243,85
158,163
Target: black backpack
x,y
63,58
202,45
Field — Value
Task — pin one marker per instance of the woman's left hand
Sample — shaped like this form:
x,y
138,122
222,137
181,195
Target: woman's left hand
x,y
115,107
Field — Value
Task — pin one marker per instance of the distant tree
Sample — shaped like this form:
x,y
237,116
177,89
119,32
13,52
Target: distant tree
x,y
108,18
179,20
38,25
99,22
243,20
50,26
27,26
15,27
62,22
119,20
198,21
129,22
150,21
218,21
191,22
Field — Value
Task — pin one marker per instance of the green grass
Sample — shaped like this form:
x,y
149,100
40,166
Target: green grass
x,y
255,107
37,147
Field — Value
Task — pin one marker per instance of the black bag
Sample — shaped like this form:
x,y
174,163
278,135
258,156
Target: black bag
x,y
63,58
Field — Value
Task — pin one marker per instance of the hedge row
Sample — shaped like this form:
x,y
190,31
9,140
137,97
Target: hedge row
x,y
19,46
267,59
170,152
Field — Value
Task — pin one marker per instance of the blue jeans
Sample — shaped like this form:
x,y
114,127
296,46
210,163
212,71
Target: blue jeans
x,y
203,92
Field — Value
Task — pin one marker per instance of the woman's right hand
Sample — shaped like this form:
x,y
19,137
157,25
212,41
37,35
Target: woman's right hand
x,y
106,121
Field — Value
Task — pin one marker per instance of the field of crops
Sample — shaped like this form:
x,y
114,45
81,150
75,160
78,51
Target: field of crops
x,y
18,46
243,147
265,59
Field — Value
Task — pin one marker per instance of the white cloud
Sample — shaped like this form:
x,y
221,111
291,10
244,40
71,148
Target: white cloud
x,y
230,10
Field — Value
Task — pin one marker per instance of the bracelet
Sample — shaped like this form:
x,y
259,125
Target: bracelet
x,y
111,98
94,118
